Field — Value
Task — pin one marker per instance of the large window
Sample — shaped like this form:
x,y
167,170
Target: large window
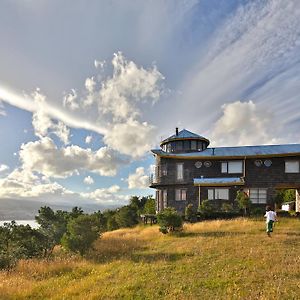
x,y
165,198
218,193
232,167
180,194
163,170
292,166
258,196
179,171
193,145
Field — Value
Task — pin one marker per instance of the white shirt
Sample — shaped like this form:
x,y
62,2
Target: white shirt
x,y
271,216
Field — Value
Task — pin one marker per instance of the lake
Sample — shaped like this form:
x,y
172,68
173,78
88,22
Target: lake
x,y
32,223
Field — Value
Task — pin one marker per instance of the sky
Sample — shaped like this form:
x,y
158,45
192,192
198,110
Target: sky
x,y
88,88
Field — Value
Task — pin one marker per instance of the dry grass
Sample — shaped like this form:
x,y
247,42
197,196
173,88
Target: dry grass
x,y
208,260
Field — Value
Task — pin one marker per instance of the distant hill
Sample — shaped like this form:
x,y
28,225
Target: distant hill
x,y
12,209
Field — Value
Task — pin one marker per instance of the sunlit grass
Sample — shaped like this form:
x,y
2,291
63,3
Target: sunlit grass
x,y
209,260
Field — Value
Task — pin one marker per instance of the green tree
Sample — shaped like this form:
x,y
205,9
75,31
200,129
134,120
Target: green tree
x,y
205,208
289,195
149,207
169,220
244,201
81,233
126,216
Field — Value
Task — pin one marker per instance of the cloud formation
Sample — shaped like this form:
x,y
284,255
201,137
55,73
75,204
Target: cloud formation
x,y
3,168
88,180
138,180
244,123
46,158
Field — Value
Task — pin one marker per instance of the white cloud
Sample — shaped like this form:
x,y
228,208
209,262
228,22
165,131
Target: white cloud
x,y
3,168
88,139
69,100
132,138
90,84
253,55
45,157
107,195
138,180
244,123
88,180
43,124
128,85
99,64
24,184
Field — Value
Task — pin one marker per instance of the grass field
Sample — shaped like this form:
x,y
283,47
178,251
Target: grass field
x,y
209,260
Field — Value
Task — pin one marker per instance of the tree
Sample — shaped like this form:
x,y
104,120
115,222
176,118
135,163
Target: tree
x,y
53,225
81,233
244,201
205,208
126,216
149,207
169,220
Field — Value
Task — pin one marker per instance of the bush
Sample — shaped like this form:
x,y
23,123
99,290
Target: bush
x,y
169,220
227,207
81,233
190,214
257,211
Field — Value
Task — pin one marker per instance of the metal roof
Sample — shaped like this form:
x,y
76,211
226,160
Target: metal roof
x,y
243,151
220,181
184,134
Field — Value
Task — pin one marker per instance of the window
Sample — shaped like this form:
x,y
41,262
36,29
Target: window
x,y
157,201
200,146
186,145
232,167
292,166
164,170
180,194
219,194
193,145
179,145
180,171
165,198
169,147
258,196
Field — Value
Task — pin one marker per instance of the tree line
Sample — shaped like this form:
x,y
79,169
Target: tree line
x,y
73,230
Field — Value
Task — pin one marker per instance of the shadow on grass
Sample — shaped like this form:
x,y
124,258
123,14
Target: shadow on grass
x,y
210,234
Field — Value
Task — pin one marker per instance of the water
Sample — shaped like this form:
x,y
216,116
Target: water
x,y
32,223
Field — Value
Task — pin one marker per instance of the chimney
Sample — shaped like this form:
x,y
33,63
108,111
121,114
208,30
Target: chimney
x,y
176,131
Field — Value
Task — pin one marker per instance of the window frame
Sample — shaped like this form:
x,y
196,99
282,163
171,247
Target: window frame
x,y
215,193
258,199
291,162
182,193
179,178
225,167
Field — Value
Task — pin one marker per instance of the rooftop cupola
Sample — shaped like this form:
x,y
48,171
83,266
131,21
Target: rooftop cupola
x,y
184,141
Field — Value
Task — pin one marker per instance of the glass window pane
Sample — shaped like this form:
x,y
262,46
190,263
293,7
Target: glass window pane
x,y
235,167
179,171
222,194
210,194
186,145
194,145
292,166
177,194
179,145
183,195
224,167
165,198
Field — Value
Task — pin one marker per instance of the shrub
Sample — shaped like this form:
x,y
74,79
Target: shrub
x,y
244,201
190,213
227,207
169,220
81,233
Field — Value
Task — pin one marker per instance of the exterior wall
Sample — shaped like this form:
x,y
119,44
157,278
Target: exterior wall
x,y
271,178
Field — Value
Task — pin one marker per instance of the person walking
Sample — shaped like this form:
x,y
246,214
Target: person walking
x,y
271,217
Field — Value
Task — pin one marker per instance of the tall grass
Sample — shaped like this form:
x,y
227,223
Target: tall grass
x,y
231,259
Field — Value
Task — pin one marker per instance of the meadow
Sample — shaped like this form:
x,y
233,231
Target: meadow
x,y
232,259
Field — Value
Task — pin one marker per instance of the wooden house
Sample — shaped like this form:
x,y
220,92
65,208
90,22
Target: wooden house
x,y
189,171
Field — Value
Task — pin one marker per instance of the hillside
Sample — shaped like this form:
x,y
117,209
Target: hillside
x,y
209,260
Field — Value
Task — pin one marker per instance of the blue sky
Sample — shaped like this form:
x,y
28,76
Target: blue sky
x,y
87,88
